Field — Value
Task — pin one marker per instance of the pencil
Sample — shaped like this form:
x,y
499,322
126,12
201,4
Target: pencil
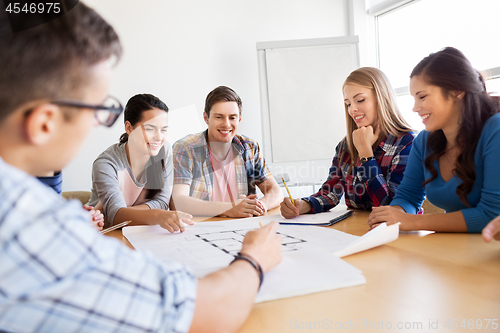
x,y
115,227
283,179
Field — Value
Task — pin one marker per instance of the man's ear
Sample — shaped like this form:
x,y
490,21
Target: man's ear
x,y
41,123
205,117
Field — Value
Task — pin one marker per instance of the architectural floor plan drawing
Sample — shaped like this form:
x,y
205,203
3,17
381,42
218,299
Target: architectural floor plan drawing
x,y
230,241
308,264
311,254
208,246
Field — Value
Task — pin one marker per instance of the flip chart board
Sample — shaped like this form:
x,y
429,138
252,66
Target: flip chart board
x,y
302,106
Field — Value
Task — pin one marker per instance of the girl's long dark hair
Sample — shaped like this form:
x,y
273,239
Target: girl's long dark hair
x,y
153,173
450,70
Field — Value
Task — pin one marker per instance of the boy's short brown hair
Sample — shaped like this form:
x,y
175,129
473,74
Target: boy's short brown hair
x,y
50,61
221,94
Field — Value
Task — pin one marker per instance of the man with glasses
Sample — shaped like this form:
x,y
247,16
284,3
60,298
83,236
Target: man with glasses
x,y
57,273
106,115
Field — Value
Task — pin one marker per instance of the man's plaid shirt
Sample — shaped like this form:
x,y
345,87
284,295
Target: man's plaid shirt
x,y
58,274
192,165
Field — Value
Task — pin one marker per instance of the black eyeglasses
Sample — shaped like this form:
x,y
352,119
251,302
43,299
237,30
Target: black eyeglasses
x,y
105,114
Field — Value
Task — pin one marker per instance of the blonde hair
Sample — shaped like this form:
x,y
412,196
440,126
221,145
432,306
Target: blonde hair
x,y
389,117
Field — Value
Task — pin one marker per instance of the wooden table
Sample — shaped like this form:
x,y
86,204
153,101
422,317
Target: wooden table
x,y
422,282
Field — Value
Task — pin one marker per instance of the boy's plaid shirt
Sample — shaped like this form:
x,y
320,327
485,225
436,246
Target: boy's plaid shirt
x,y
192,165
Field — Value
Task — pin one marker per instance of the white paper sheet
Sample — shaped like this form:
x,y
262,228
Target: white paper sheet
x,y
382,234
306,272
308,264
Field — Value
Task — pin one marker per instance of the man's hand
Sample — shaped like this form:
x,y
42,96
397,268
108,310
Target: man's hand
x,y
264,245
246,207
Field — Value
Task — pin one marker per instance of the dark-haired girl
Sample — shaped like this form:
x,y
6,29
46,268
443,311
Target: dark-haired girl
x,y
132,180
455,161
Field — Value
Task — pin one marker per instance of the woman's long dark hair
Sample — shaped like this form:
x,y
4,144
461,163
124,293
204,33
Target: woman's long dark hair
x,y
450,70
153,173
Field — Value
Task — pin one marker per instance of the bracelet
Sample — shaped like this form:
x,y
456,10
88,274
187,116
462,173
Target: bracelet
x,y
363,160
241,256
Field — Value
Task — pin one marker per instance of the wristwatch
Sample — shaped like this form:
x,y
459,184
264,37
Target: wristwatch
x,y
363,160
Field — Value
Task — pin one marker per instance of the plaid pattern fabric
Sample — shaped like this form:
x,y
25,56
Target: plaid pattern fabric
x,y
369,185
192,165
58,274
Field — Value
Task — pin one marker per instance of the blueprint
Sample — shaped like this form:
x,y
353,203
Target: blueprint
x,y
308,262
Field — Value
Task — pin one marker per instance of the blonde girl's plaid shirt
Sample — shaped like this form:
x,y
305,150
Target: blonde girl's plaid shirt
x,y
192,165
371,184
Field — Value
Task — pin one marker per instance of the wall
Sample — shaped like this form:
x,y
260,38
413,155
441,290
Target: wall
x,y
180,50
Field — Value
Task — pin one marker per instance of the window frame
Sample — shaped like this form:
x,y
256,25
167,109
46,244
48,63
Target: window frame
x,y
378,12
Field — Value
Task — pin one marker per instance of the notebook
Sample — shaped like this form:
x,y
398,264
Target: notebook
x,y
336,214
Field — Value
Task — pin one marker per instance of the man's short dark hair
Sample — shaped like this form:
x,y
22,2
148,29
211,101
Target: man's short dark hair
x,y
51,61
221,94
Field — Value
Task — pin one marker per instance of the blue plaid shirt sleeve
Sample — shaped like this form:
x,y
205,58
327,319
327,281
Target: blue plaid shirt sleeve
x,y
58,274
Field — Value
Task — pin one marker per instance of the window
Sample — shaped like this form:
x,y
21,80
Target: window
x,y
409,33
493,86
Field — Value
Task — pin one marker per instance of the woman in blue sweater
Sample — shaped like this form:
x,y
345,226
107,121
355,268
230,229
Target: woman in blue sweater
x,y
455,161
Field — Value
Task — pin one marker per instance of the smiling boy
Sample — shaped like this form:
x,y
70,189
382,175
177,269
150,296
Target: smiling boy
x,y
216,171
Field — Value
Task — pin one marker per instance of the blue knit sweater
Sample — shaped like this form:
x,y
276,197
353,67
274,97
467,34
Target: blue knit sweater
x,y
485,195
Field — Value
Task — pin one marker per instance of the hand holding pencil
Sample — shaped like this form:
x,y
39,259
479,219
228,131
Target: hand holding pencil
x,y
288,191
291,208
